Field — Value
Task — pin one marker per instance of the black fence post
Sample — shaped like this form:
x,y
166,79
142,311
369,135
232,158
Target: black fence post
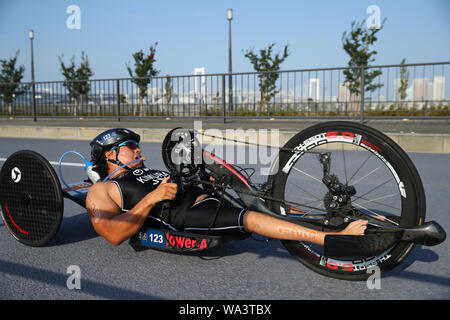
x,y
33,92
224,112
361,107
425,107
118,99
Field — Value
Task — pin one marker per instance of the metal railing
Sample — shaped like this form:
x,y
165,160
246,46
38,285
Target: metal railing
x,y
412,90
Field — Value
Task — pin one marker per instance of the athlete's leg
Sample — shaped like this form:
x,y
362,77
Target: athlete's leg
x,y
272,227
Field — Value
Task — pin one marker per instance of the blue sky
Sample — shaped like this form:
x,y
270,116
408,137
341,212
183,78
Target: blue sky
x,y
194,33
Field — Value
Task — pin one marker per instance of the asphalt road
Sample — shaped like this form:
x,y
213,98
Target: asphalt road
x,y
237,270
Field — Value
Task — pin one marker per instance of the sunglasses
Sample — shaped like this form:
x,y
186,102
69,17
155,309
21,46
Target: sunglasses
x,y
130,144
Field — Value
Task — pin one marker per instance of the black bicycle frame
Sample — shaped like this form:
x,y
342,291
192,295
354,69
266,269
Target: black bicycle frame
x,y
249,196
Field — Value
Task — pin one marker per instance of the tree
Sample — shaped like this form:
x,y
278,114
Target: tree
x,y
122,99
356,44
143,71
168,89
10,77
404,80
268,66
77,78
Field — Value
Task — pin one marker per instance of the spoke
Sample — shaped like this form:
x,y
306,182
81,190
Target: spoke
x,y
292,203
345,165
371,172
380,203
364,162
373,189
302,213
318,201
375,215
307,174
297,196
309,193
310,201
308,214
307,205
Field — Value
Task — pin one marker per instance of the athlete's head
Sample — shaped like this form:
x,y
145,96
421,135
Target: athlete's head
x,y
107,146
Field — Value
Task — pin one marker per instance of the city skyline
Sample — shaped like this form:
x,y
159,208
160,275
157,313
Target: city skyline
x,y
419,89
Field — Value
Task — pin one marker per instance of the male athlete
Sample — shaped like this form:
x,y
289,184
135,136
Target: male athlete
x,y
119,206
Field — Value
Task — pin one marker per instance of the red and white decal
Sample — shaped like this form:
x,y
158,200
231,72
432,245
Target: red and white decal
x,y
370,145
343,136
354,265
15,225
185,242
227,166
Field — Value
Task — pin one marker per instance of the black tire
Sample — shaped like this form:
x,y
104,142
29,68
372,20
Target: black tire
x,y
31,198
377,150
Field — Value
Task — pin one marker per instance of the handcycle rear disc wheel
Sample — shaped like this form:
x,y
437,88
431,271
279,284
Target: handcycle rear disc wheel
x,y
31,198
386,181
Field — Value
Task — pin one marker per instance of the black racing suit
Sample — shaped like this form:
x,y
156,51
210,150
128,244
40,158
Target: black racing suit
x,y
183,214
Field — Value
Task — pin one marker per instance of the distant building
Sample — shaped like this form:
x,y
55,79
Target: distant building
x,y
439,88
345,94
421,89
199,80
314,82
425,90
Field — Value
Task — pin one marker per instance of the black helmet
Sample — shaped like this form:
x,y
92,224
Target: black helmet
x,y
109,139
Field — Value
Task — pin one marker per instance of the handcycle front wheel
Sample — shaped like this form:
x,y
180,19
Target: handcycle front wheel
x,y
386,181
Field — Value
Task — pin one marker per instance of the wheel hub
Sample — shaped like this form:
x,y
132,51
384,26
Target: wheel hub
x,y
337,200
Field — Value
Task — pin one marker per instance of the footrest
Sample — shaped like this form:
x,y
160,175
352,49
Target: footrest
x,y
354,247
429,234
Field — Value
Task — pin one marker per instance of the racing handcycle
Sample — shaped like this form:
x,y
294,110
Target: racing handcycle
x,y
323,178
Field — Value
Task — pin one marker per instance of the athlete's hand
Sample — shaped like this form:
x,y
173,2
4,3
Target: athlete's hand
x,y
355,228
208,187
165,191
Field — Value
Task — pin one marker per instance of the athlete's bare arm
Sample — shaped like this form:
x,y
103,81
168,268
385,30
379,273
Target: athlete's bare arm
x,y
103,204
271,227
